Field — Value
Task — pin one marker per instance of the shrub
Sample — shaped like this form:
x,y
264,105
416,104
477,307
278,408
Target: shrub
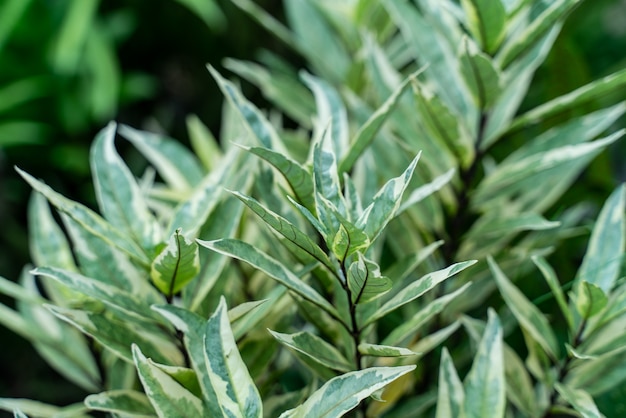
x,y
387,221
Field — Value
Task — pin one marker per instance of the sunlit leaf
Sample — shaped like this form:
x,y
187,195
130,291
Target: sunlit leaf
x,y
315,348
377,350
176,265
451,399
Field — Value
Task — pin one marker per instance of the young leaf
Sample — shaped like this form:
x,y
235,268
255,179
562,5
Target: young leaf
x,y
451,399
271,267
601,263
126,402
418,288
527,314
385,203
344,393
286,229
589,299
376,350
579,399
480,73
119,197
485,386
174,163
88,219
364,285
176,265
486,20
315,348
168,397
238,396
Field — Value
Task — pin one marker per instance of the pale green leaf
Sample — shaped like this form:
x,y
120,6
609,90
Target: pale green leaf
x,y
480,73
364,284
236,392
286,229
166,395
520,389
326,181
527,314
485,386
40,409
579,399
385,203
601,263
174,163
520,44
315,348
203,143
119,196
426,344
128,402
367,132
298,177
343,393
176,265
486,20
271,267
88,219
589,299
426,190
451,398
506,223
193,328
555,286
376,350
18,414
418,288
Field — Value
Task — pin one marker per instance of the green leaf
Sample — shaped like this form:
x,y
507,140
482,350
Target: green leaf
x,y
193,328
238,396
326,181
119,197
521,43
208,11
589,299
271,267
343,393
40,409
363,283
286,229
418,288
114,333
376,350
527,314
127,402
601,263
367,132
486,20
176,265
299,179
174,163
479,72
204,144
314,348
550,275
88,219
579,399
451,398
168,397
506,223
485,386
385,203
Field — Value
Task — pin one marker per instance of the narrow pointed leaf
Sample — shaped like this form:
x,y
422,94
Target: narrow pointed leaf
x,y
418,288
176,265
550,275
451,398
580,400
364,285
299,179
237,394
426,190
126,402
485,386
376,350
315,348
286,229
601,263
271,267
168,397
174,163
480,74
326,178
204,144
119,197
486,20
344,393
191,214
367,132
527,314
40,409
88,219
385,203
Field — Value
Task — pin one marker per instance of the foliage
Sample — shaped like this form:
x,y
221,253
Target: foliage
x,y
387,222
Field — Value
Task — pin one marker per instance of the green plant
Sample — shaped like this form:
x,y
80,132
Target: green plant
x,y
370,275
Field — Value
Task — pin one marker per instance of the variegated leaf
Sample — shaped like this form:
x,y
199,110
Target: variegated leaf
x,y
363,283
130,403
176,265
315,348
451,399
376,350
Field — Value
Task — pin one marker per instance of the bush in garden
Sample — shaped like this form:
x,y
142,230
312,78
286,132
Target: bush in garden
x,y
306,272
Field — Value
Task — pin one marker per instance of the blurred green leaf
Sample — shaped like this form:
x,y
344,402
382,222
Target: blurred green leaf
x,y
486,20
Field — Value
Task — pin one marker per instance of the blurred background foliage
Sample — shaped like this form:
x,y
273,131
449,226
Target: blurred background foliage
x,y
67,67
